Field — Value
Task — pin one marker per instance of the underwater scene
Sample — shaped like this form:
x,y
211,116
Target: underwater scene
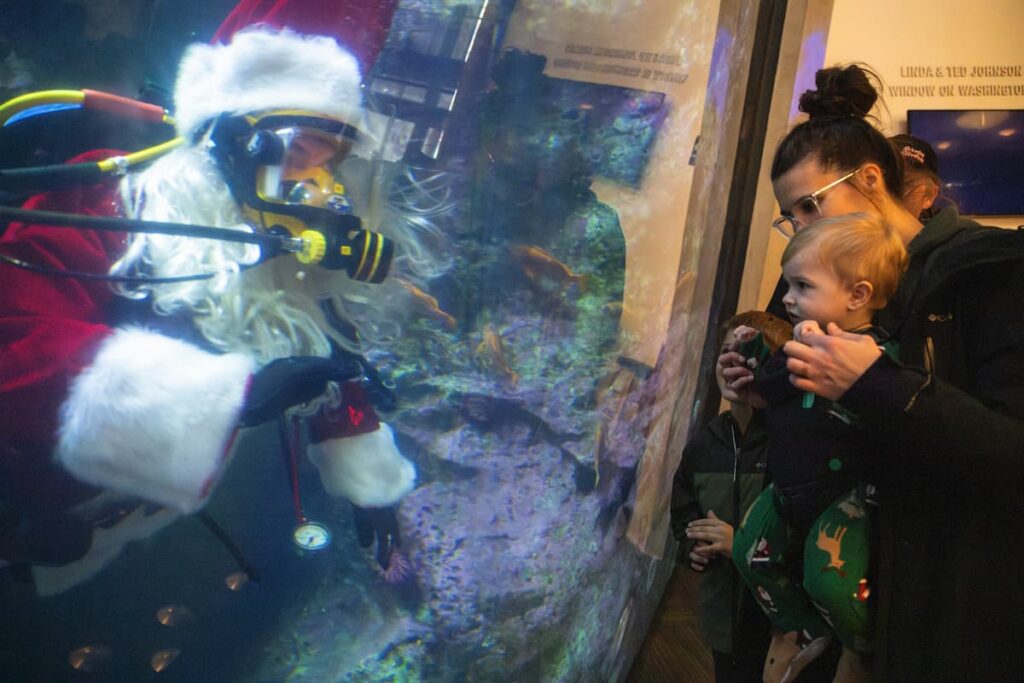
x,y
444,341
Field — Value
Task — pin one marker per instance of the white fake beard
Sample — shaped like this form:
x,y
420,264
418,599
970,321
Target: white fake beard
x,y
275,309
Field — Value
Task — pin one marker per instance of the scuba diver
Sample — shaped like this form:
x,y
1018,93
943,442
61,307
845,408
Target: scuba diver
x,y
129,360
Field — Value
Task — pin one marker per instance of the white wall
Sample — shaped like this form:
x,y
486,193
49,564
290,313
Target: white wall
x,y
936,55
930,54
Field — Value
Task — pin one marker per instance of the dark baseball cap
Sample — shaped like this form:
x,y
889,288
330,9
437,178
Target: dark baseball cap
x,y
916,153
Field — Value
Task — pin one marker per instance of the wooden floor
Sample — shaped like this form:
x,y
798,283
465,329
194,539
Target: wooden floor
x,y
673,651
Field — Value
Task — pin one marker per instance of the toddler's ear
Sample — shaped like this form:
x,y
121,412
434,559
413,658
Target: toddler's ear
x,y
860,295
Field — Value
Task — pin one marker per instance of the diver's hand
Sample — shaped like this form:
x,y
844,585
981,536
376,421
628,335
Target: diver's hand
x,y
380,525
286,382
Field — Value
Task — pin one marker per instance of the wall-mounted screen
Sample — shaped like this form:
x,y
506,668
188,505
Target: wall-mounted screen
x,y
981,156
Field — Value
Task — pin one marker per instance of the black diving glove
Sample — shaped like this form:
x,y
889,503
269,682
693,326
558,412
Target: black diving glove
x,y
286,382
380,524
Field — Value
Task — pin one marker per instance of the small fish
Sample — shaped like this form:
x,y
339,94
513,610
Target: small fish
x,y
491,351
236,581
428,304
88,657
540,264
173,615
162,659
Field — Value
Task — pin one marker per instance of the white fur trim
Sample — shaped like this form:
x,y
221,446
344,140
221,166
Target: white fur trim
x,y
151,418
365,468
262,70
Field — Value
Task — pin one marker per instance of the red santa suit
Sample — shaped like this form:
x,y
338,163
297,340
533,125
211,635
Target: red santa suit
x,y
87,405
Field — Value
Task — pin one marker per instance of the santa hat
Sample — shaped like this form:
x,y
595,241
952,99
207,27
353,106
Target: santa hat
x,y
265,69
360,25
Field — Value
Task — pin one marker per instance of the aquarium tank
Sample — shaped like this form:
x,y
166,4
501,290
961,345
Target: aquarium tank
x,y
398,408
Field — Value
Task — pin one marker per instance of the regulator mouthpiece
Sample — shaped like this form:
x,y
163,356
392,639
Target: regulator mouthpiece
x,y
363,254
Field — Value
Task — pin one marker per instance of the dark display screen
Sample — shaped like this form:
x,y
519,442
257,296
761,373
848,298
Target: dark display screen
x,y
981,156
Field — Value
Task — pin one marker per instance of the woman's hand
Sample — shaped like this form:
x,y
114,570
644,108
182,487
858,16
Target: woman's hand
x,y
829,364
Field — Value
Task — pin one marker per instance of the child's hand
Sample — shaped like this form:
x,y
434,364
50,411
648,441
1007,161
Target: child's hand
x,y
735,375
733,372
805,329
715,534
743,333
829,364
735,378
698,560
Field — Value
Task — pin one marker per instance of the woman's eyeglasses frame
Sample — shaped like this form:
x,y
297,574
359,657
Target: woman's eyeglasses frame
x,y
789,225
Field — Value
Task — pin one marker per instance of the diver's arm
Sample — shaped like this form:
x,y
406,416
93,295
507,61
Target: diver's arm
x,y
153,417
356,453
50,326
129,409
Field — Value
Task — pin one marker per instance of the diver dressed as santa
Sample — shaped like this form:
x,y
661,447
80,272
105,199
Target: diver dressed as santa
x,y
135,390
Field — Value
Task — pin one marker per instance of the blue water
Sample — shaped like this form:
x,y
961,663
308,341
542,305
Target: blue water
x,y
509,388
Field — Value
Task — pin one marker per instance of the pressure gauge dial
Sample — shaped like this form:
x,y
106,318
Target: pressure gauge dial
x,y
311,536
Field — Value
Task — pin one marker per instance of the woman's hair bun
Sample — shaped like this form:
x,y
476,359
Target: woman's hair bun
x,y
842,91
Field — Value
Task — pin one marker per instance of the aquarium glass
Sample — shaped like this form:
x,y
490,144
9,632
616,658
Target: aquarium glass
x,y
531,162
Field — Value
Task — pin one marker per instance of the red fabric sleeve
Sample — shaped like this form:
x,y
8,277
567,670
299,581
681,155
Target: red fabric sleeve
x,y
359,25
354,416
49,325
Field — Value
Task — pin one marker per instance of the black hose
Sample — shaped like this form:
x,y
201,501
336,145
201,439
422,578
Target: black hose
x,y
34,179
230,545
271,241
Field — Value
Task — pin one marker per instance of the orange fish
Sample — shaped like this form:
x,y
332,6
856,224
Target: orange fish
x,y
537,263
88,658
492,352
236,581
173,615
428,303
162,659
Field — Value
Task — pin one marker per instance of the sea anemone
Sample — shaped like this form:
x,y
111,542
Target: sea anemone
x,y
399,568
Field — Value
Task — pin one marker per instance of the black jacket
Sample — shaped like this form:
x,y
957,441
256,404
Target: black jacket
x,y
816,450
949,428
711,477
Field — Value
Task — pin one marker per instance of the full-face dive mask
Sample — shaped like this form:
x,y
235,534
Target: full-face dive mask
x,y
281,169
